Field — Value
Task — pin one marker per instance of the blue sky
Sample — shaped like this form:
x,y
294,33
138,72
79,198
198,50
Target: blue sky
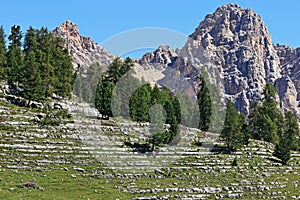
x,y
103,19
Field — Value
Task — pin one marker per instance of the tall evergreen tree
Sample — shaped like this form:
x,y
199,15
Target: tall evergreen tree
x,y
283,150
15,56
32,85
266,121
140,103
3,60
204,103
291,130
244,128
231,133
45,54
156,95
103,97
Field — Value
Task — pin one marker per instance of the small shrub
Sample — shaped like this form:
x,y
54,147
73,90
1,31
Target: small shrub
x,y
234,162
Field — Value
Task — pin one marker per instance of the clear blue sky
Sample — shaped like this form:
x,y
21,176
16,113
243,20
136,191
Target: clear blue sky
x,y
103,19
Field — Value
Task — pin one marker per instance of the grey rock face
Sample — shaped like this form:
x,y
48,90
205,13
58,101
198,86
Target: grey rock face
x,y
240,50
83,50
159,58
232,45
235,48
289,85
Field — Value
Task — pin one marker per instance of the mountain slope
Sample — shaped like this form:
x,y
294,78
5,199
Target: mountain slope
x,y
83,50
234,47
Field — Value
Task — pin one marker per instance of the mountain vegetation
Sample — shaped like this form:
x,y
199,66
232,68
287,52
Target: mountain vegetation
x,y
37,65
266,122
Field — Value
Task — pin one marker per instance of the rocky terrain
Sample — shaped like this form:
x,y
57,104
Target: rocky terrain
x,y
83,50
232,45
88,158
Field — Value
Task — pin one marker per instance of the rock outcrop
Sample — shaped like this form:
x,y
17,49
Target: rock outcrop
x,y
288,86
83,50
235,48
238,46
232,45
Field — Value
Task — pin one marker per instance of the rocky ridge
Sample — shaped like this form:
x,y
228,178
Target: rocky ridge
x,y
83,50
234,47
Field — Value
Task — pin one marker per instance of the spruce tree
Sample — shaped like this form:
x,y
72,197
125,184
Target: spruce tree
x,y
156,95
141,103
231,133
291,130
45,59
266,121
3,60
103,97
15,62
283,150
32,85
244,128
204,103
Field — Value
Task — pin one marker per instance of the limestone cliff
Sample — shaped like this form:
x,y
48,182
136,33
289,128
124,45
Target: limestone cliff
x,y
83,50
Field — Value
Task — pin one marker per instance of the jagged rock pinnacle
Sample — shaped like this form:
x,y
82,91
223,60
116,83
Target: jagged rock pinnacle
x,y
83,50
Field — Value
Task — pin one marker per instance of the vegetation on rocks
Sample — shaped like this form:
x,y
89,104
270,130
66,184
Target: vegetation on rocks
x,y
39,66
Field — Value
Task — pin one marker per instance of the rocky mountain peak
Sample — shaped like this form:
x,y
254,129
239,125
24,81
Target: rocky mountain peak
x,y
69,28
233,45
83,50
230,20
240,51
162,55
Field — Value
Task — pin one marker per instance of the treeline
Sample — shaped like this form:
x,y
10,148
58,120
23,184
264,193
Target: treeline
x,y
38,65
142,100
266,122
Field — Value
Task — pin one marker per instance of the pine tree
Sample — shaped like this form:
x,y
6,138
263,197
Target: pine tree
x,y
3,60
204,103
126,87
244,128
63,68
266,121
141,103
32,85
291,130
15,56
283,150
118,68
156,95
78,86
103,97
231,133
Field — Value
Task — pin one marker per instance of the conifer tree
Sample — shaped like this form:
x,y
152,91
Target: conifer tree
x,y
204,103
32,85
266,121
140,103
3,60
244,128
291,130
283,150
103,97
15,59
231,133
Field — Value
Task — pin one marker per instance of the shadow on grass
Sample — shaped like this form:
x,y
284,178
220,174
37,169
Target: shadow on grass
x,y
137,147
217,149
